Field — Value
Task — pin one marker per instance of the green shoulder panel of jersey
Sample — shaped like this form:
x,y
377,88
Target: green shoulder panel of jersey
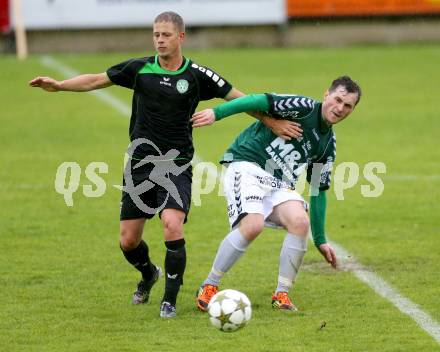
x,y
154,67
290,107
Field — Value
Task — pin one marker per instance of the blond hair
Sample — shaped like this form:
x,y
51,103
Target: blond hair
x,y
174,18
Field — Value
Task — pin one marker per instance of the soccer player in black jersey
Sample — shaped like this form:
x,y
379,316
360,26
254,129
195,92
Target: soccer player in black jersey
x,y
167,89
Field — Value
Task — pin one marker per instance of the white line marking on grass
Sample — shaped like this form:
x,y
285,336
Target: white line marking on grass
x,y
69,72
380,286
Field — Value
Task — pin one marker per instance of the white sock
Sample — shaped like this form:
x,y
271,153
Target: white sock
x,y
231,249
291,257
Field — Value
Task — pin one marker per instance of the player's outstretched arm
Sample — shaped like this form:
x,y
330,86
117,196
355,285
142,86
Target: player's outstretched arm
x,y
252,102
81,83
281,128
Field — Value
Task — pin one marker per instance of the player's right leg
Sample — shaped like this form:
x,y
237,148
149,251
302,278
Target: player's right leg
x,y
136,252
245,210
229,252
132,221
293,217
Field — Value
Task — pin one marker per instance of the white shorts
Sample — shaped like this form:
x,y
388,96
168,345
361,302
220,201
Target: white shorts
x,y
251,190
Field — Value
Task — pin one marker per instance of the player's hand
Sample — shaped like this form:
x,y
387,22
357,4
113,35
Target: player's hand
x,y
329,254
284,128
46,83
203,118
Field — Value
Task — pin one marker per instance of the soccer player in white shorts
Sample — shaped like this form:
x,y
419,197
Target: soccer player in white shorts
x,y
251,190
261,177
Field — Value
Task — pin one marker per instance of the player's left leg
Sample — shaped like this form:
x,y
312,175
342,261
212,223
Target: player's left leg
x,y
246,216
132,221
173,216
175,258
293,217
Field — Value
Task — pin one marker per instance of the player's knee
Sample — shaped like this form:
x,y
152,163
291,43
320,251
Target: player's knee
x,y
172,221
173,228
251,226
128,243
299,225
128,240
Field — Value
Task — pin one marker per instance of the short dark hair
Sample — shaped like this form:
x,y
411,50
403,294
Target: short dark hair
x,y
347,83
174,18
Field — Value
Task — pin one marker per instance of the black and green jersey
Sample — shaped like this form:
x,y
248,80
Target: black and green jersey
x,y
164,101
315,151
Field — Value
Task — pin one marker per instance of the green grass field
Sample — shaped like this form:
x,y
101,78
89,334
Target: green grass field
x,y
66,287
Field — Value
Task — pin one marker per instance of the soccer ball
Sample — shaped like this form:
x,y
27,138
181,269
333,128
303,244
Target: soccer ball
x,y
229,310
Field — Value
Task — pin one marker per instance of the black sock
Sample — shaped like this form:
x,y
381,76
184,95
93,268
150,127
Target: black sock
x,y
140,259
175,262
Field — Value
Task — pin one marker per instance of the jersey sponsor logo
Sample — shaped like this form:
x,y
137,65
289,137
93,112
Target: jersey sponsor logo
x,y
286,158
216,78
254,198
288,114
165,81
273,182
182,85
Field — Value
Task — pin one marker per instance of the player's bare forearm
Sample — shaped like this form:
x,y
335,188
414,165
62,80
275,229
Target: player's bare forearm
x,y
281,128
81,83
86,82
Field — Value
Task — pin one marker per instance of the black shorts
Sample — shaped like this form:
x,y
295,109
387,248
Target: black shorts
x,y
158,192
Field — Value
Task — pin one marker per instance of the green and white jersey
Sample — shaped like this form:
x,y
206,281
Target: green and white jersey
x,y
315,151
